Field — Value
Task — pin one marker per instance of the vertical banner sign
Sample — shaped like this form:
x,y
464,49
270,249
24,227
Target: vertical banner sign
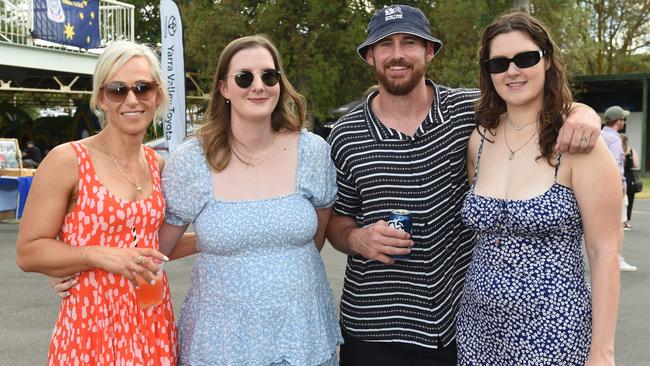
x,y
67,22
173,73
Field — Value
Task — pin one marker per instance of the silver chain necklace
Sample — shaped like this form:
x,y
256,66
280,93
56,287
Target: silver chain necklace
x,y
512,152
519,128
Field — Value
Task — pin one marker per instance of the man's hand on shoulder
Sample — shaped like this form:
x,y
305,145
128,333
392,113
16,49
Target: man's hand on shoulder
x,y
580,130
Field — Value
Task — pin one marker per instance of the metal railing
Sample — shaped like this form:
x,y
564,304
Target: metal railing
x,y
116,23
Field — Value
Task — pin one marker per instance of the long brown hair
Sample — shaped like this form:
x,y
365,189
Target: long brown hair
x,y
216,133
557,96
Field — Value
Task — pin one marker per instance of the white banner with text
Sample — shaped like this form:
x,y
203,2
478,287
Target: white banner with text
x,y
173,67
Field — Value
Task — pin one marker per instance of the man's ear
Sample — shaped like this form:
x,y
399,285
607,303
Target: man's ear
x,y
430,50
369,57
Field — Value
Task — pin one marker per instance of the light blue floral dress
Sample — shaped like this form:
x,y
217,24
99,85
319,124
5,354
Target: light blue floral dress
x,y
258,294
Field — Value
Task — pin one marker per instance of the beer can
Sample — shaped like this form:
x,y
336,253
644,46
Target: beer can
x,y
401,220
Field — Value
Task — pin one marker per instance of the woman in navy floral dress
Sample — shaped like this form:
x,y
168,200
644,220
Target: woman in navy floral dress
x,y
526,300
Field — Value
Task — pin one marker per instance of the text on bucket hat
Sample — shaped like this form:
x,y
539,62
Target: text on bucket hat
x,y
395,19
615,112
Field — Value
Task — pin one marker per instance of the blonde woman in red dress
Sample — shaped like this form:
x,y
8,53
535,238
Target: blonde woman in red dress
x,y
95,208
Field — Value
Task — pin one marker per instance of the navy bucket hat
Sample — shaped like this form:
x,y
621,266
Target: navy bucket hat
x,y
398,19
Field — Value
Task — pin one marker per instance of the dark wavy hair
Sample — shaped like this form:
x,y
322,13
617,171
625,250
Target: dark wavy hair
x,y
216,134
557,96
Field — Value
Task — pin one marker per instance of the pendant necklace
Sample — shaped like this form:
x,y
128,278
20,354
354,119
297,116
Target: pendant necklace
x,y
138,187
513,151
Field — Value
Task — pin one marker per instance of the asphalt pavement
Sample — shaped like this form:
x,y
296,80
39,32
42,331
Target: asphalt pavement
x,y
29,306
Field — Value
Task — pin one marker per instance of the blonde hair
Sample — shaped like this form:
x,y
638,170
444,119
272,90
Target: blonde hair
x,y
216,133
111,60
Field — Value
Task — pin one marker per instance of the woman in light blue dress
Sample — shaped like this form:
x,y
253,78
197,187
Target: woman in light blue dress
x,y
258,190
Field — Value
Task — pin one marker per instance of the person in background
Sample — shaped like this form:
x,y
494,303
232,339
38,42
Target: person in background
x,y
526,299
629,167
258,190
32,155
615,118
94,209
404,147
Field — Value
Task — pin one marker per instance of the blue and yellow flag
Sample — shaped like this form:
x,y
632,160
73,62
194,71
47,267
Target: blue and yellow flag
x,y
69,22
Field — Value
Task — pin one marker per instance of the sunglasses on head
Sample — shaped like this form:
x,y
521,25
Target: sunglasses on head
x,y
522,60
116,91
244,78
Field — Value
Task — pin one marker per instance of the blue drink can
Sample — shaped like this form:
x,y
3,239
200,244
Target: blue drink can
x,y
401,220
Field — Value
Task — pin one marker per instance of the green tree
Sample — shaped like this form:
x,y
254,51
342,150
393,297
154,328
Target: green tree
x,y
147,21
566,20
458,24
317,41
618,31
208,29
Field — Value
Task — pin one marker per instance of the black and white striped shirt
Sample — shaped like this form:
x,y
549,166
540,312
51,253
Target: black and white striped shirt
x,y
380,169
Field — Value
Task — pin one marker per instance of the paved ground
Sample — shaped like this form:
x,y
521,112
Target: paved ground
x,y
28,306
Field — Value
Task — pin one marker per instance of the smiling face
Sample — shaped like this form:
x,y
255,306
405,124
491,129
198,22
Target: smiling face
x,y
130,115
257,101
400,61
518,87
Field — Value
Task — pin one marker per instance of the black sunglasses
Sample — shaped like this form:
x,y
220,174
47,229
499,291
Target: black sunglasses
x,y
522,60
244,78
117,91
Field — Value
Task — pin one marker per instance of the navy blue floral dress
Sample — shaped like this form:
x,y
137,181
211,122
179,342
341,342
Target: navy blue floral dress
x,y
526,300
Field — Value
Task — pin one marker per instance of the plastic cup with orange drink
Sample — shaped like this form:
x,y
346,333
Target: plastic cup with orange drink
x,y
146,294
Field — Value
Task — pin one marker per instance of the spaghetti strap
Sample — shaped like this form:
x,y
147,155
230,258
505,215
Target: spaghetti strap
x,y
478,159
83,165
557,166
152,162
79,150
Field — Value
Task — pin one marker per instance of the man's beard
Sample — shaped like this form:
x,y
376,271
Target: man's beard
x,y
403,87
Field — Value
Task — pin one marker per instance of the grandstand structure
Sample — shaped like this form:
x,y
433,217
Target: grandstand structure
x,y
38,73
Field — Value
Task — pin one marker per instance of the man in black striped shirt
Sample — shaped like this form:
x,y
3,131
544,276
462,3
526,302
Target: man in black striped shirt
x,y
404,148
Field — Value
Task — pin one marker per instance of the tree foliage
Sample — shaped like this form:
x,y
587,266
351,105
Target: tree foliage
x,y
147,21
318,39
618,32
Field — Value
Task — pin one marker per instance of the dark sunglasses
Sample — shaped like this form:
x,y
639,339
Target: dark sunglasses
x,y
244,78
522,60
117,91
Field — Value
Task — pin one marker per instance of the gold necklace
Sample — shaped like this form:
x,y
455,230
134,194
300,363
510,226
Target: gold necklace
x,y
138,187
512,152
248,161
